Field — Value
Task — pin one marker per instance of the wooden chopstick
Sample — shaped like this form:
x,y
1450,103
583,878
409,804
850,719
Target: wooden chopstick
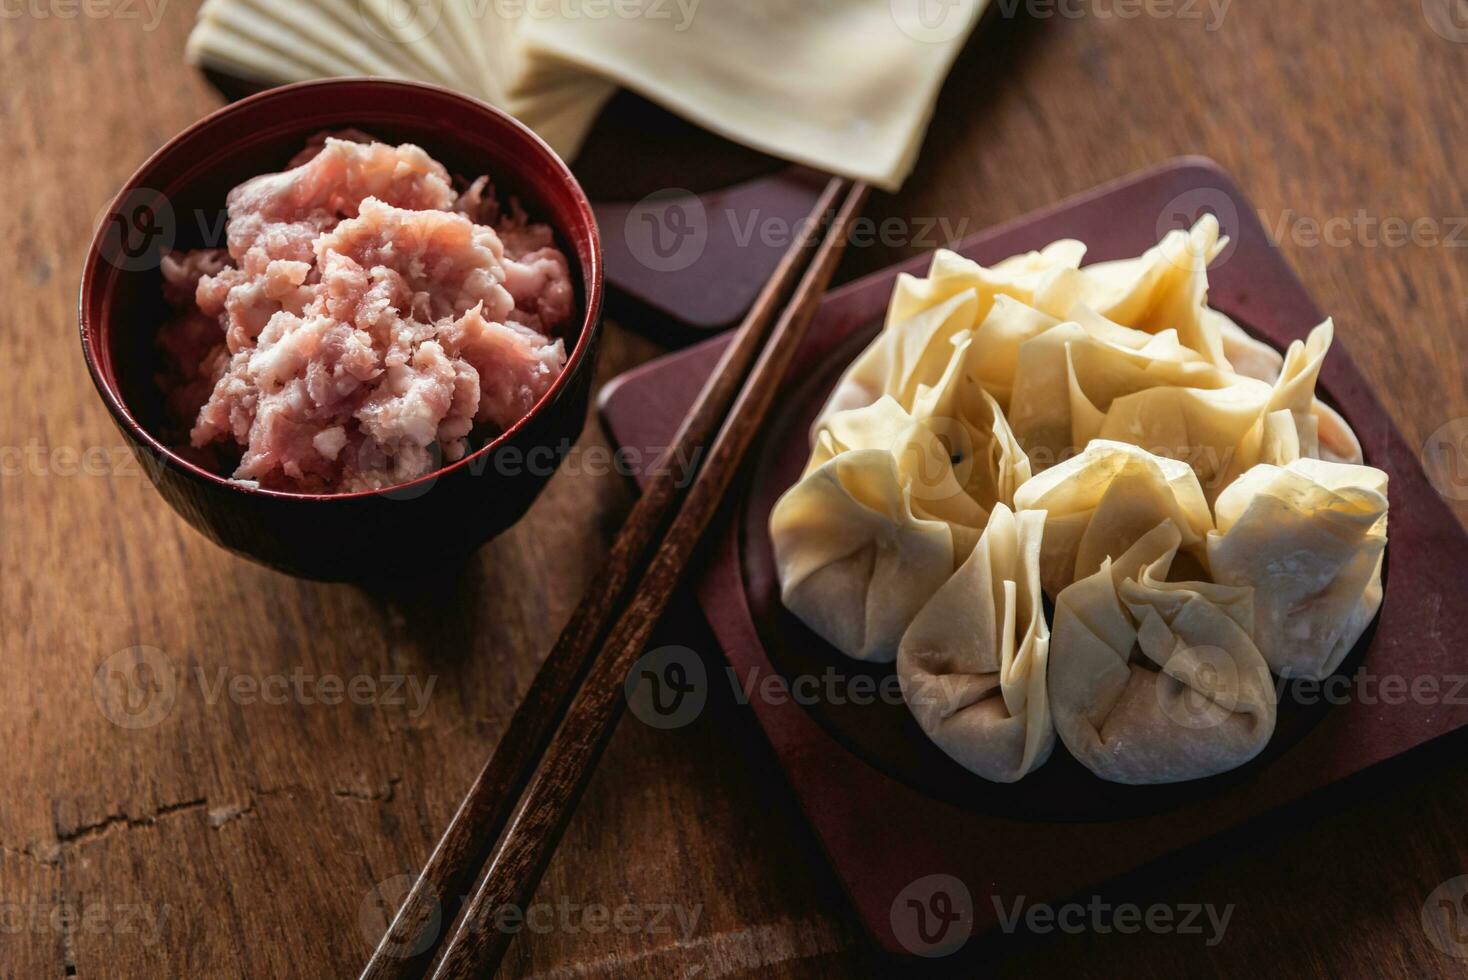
x,y
520,857
404,952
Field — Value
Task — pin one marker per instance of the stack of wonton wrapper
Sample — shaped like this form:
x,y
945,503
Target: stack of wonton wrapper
x,y
1201,523
847,86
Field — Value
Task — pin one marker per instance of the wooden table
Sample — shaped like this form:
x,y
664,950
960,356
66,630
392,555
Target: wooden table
x,y
238,837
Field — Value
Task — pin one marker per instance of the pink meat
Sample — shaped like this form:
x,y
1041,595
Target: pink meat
x,y
446,263
515,364
368,323
279,216
183,270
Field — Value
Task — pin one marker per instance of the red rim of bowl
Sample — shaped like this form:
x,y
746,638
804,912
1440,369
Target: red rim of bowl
x,y
591,271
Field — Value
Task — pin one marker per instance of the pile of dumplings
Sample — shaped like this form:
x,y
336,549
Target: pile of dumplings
x,y
1099,436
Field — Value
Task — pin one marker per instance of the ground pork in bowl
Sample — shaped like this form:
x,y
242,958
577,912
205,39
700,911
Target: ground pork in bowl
x,y
348,324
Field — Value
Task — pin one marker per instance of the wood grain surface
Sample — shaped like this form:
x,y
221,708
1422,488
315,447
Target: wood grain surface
x,y
253,830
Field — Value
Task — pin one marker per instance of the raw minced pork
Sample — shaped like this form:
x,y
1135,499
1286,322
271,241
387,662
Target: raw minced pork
x,y
364,318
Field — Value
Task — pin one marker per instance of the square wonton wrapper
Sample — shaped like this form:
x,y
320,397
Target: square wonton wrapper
x,y
472,48
847,86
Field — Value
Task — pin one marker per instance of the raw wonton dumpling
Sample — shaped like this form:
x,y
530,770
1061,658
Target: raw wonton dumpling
x,y
982,450
1153,681
1249,357
876,525
1100,503
1125,350
1166,288
1256,359
927,315
1323,434
972,664
1090,378
1309,538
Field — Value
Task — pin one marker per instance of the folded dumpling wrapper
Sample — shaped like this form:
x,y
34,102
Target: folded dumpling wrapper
x,y
1099,504
1250,357
927,315
1310,539
982,450
1090,378
1153,681
973,663
1166,288
1126,351
876,525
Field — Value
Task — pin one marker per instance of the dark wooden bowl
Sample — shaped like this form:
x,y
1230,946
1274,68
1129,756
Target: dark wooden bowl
x,y
176,200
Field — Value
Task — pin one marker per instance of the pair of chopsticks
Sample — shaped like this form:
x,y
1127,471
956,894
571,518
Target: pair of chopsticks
x,y
509,824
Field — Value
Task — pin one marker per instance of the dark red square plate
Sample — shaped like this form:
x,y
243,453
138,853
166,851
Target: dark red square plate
x,y
929,852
